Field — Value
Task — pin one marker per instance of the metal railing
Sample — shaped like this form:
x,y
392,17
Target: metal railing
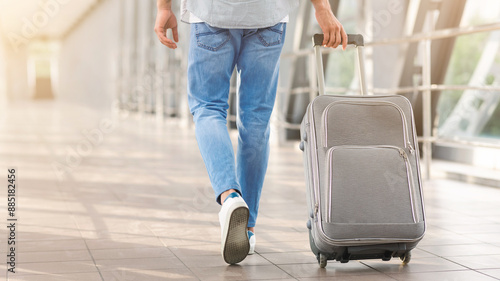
x,y
426,88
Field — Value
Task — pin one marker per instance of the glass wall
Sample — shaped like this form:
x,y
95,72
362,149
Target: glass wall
x,y
475,61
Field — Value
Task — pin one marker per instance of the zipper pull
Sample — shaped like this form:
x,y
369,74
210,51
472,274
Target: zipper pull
x,y
410,148
402,153
316,209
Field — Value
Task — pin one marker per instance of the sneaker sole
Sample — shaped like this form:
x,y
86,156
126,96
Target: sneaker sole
x,y
237,245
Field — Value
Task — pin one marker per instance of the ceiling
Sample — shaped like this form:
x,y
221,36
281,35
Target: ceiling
x,y
50,19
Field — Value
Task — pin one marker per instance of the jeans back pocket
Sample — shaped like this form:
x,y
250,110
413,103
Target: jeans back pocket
x,y
209,37
271,36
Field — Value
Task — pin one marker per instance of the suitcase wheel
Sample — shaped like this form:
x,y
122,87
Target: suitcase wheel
x,y
322,260
406,258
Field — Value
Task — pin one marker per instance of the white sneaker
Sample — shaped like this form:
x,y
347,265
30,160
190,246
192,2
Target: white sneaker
x,y
233,218
252,240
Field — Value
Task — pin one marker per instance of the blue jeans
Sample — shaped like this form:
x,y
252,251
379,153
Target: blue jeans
x,y
213,55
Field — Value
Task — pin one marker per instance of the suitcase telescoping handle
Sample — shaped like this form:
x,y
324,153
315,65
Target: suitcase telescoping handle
x,y
352,39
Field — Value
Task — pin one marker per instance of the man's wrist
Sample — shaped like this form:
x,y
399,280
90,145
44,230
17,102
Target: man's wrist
x,y
320,4
164,4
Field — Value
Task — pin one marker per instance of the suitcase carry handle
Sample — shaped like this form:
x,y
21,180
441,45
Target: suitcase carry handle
x,y
352,39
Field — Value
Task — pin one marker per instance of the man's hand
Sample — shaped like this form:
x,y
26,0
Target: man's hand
x,y
333,30
165,19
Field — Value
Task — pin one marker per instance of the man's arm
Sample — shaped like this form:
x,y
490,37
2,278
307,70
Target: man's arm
x,y
332,29
165,19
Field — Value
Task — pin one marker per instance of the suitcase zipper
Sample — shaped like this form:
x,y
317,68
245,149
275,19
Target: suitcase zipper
x,y
316,208
402,154
406,138
313,160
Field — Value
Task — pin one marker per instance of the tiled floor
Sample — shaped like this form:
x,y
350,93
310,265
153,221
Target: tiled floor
x,y
103,198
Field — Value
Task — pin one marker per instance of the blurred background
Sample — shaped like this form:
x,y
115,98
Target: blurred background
x,y
103,55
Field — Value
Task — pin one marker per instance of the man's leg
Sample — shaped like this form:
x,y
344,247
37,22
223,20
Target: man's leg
x,y
211,62
258,67
210,65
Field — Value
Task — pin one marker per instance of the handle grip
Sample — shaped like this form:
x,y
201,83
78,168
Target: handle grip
x,y
352,39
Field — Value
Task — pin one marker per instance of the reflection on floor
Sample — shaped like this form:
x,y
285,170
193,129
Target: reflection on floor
x,y
103,198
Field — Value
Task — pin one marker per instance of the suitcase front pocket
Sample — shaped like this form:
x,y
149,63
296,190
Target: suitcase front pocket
x,y
364,122
369,185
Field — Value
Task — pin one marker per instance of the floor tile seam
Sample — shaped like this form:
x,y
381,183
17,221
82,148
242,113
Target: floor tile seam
x,y
383,273
294,263
246,265
376,270
386,275
461,256
470,268
180,233
75,249
52,227
351,273
62,192
305,251
190,245
132,235
192,239
272,263
161,241
468,244
441,271
93,260
116,268
141,258
57,274
284,241
495,245
70,211
420,247
112,248
142,248
104,229
487,274
52,273
56,241
45,251
280,252
489,268
50,251
80,238
187,256
416,272
55,261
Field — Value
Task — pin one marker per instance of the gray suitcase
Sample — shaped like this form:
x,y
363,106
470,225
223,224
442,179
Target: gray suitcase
x,y
361,158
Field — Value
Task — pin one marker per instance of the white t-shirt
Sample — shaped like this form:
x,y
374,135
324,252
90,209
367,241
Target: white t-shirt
x,y
188,17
